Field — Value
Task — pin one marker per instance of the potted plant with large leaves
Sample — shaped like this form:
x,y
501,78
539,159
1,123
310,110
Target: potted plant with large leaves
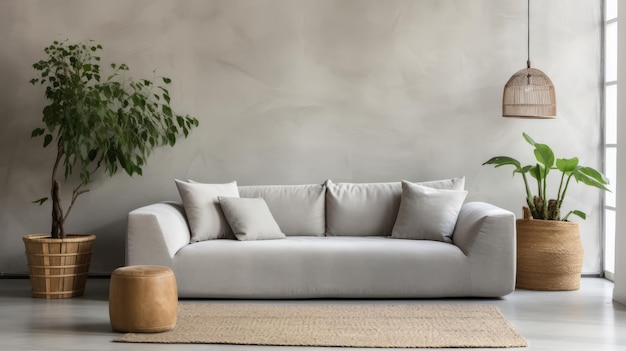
x,y
95,123
549,249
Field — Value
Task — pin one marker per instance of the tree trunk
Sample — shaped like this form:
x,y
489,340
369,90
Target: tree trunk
x,y
57,214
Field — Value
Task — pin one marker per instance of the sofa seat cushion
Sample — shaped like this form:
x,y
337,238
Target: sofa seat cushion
x,y
310,267
298,209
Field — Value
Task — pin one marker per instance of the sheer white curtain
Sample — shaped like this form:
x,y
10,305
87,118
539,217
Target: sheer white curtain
x,y
620,233
610,132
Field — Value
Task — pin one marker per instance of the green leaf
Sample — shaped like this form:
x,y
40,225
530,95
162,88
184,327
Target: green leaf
x,y
544,155
590,176
139,161
136,99
529,139
47,140
40,201
567,165
37,132
92,154
578,213
526,168
500,161
106,90
536,172
167,111
166,80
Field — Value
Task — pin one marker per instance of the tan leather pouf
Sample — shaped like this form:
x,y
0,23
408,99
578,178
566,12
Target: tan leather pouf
x,y
143,299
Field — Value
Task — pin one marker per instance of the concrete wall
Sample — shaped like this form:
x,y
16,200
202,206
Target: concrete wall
x,y
298,91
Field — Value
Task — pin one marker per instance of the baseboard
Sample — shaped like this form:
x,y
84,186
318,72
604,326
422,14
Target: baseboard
x,y
13,276
592,275
108,275
25,275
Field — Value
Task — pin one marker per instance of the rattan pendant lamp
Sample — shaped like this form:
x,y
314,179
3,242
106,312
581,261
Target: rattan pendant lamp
x,y
529,93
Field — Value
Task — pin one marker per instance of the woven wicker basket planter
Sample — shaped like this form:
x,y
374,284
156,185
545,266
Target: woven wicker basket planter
x,y
549,255
58,267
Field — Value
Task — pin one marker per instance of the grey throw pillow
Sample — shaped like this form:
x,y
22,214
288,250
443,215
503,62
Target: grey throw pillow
x,y
427,213
203,210
250,218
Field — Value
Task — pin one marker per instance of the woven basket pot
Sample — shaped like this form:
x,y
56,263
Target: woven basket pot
x,y
58,267
549,255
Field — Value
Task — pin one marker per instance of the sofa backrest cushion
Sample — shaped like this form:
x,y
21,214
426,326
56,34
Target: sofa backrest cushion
x,y
369,209
298,209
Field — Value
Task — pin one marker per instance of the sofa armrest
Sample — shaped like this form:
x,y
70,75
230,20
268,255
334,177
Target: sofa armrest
x,y
155,233
486,234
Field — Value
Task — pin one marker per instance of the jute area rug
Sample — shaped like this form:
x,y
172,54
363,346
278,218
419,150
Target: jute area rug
x,y
398,326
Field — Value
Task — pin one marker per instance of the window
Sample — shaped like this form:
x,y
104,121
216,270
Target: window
x,y
610,131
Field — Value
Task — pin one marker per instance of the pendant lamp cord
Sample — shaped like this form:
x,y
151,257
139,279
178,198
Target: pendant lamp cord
x,y
528,33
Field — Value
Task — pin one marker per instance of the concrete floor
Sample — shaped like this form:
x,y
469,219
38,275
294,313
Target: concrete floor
x,y
587,319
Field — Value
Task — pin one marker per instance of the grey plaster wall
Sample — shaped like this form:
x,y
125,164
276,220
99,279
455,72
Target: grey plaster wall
x,y
298,91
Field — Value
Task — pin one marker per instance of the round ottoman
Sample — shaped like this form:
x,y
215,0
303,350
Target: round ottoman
x,y
143,299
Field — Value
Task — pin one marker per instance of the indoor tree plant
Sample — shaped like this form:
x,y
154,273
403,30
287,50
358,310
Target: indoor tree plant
x,y
549,249
95,123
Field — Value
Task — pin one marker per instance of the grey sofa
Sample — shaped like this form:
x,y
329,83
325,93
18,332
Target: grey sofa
x,y
338,244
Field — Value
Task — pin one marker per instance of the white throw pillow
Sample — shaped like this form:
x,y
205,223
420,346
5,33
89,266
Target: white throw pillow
x,y
427,213
450,184
202,207
250,218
